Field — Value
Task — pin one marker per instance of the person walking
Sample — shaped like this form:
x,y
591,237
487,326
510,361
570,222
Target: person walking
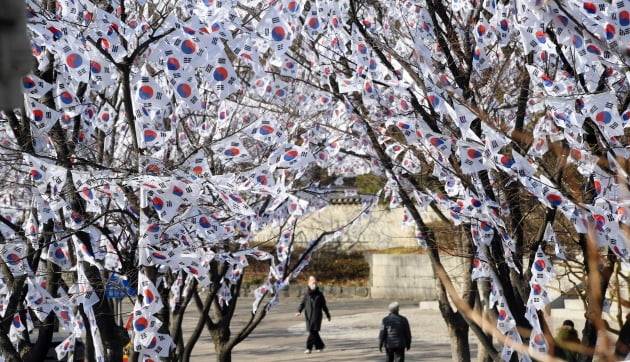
x,y
566,341
313,304
395,335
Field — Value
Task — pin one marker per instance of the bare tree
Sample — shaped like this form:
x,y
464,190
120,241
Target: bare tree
x,y
139,168
509,118
158,137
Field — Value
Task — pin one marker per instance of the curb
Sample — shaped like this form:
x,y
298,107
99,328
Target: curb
x,y
296,291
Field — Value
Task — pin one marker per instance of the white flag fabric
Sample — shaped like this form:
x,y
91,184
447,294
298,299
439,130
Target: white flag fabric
x,y
505,320
290,156
35,86
148,96
42,117
472,159
14,256
274,27
550,236
542,269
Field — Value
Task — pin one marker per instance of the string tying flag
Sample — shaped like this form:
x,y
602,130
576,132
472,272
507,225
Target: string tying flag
x,y
537,341
76,62
538,295
86,184
107,31
545,82
480,266
187,93
197,165
313,25
482,232
542,270
512,338
105,118
58,253
16,329
207,227
63,309
420,238
44,174
157,345
224,295
66,99
260,292
32,229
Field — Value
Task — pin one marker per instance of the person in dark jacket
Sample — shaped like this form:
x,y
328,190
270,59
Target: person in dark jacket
x,y
313,304
395,335
566,341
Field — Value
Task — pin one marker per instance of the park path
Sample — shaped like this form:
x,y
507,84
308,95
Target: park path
x,y
351,335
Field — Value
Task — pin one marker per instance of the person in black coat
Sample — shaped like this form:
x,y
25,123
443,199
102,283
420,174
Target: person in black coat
x,y
395,335
313,304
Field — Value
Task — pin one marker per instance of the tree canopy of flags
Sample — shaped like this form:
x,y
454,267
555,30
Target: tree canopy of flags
x,y
226,114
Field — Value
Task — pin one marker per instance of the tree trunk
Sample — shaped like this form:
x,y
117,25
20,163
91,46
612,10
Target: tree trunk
x,y
622,347
458,331
6,347
224,352
89,353
221,336
46,329
598,281
44,339
104,315
481,307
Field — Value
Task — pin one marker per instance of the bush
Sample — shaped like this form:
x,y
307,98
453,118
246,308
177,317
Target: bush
x,y
337,268
331,267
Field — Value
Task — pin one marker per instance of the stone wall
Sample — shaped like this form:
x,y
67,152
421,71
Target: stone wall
x,y
382,229
409,276
400,277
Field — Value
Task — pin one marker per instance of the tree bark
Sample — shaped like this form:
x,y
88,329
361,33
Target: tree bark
x,y
46,330
594,321
481,307
8,352
223,354
458,331
622,347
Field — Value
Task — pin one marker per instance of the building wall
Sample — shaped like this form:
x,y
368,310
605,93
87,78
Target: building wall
x,y
409,276
380,230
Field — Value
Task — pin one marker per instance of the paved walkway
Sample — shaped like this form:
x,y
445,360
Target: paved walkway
x,y
351,335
